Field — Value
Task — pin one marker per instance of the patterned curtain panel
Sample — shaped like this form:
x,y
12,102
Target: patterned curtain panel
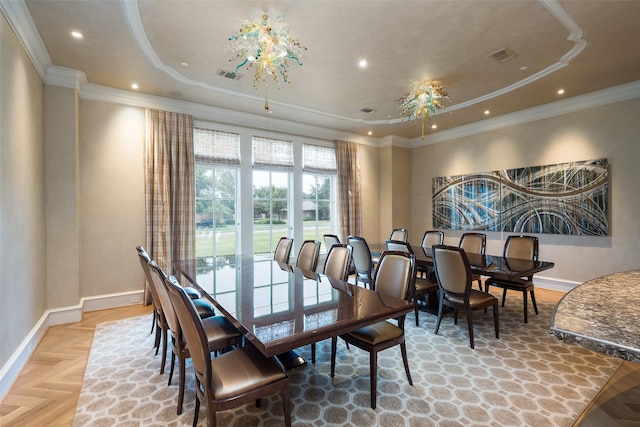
x,y
349,194
170,187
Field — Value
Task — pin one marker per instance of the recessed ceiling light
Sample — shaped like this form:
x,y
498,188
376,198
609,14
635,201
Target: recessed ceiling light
x,y
487,112
362,63
560,91
184,63
134,86
369,133
524,68
77,34
434,126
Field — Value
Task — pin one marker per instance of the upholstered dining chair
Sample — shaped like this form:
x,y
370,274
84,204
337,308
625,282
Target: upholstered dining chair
x,y
220,333
336,266
308,255
399,234
394,277
453,273
474,243
430,238
283,250
330,240
362,260
423,287
518,249
158,317
232,379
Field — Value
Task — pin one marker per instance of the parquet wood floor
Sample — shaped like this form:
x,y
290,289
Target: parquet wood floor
x,y
47,390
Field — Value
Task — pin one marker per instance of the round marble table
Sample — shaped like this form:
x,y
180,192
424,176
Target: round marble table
x,y
603,315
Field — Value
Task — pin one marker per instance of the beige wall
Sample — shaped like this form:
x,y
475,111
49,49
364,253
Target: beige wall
x,y
368,159
23,291
112,211
605,132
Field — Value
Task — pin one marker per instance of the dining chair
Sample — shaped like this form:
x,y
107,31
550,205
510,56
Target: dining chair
x,y
423,287
399,234
394,277
474,243
330,240
232,379
362,260
158,317
453,274
308,255
518,249
220,333
336,266
430,238
283,250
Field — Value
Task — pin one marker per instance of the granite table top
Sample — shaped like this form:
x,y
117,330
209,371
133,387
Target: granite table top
x,y
602,315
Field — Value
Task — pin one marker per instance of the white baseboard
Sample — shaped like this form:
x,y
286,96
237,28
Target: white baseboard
x,y
10,371
554,284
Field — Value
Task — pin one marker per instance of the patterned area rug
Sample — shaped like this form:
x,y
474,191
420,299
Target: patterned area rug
x,y
526,378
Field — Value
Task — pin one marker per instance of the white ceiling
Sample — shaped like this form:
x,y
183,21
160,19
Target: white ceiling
x,y
579,46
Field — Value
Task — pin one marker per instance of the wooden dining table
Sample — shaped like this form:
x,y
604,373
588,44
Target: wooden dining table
x,y
486,265
278,307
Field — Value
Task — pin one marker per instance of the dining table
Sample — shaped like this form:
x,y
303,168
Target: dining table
x,y
495,266
279,307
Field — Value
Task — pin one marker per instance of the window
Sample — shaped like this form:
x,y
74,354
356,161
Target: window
x,y
272,167
319,189
217,159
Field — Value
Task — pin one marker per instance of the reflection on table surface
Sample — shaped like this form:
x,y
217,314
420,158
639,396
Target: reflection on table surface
x,y
279,307
486,265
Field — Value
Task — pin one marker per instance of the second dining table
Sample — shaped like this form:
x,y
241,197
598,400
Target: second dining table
x,y
278,307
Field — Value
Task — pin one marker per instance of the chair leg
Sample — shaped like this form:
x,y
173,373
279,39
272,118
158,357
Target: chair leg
x,y
439,317
504,295
153,321
313,352
334,345
197,409
286,406
415,301
173,362
496,323
181,381
455,316
158,337
533,301
524,301
470,326
373,370
403,351
164,351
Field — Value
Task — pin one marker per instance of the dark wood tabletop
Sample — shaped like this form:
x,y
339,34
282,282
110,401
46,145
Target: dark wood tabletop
x,y
485,265
278,307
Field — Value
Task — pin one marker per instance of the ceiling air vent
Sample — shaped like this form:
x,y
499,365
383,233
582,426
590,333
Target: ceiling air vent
x,y
367,110
229,75
503,55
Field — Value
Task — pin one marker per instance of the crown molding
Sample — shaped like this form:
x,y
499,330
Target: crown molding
x,y
65,77
599,98
20,20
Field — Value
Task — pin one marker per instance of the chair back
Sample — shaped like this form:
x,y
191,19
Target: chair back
x,y
191,327
361,255
452,270
474,243
431,238
308,255
522,247
145,259
159,280
396,274
283,250
400,234
338,262
398,245
330,240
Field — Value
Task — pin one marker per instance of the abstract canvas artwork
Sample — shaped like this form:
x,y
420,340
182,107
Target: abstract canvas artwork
x,y
564,198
